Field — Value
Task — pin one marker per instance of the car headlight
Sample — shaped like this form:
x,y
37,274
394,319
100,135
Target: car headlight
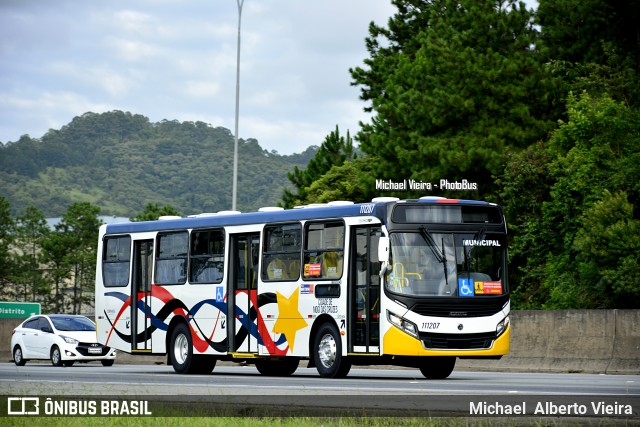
x,y
69,340
502,326
403,324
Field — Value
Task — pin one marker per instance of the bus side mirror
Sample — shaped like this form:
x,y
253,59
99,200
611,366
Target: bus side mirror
x,y
383,249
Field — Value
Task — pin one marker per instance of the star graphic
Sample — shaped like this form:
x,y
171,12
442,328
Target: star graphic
x,y
289,319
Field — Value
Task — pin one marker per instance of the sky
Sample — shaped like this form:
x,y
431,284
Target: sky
x,y
176,60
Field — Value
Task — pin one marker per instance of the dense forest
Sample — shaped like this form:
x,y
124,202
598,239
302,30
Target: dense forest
x,y
120,162
539,109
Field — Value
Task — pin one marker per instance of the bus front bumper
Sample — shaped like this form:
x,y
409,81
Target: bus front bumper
x,y
399,343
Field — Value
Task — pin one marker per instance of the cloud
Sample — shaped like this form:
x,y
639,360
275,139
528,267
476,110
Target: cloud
x,y
176,60
285,136
114,83
133,50
47,110
202,88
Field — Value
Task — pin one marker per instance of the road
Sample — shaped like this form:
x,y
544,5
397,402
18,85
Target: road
x,y
387,391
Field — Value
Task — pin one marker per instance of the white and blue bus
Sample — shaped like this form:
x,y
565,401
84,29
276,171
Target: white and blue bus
x,y
415,283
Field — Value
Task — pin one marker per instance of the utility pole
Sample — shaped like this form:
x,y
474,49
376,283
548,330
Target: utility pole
x,y
235,147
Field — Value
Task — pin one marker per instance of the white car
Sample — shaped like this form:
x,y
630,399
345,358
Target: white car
x,y
62,338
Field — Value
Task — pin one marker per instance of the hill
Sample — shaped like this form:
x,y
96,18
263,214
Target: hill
x,y
121,161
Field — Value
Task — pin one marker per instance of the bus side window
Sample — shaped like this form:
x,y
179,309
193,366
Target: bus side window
x,y
281,252
206,259
171,258
324,250
116,260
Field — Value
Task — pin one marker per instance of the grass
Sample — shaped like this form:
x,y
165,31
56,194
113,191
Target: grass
x,y
27,421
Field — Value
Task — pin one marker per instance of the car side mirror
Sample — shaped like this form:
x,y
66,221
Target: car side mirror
x,y
47,329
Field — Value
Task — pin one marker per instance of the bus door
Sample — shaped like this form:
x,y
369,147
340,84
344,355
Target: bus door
x,y
141,295
243,277
364,291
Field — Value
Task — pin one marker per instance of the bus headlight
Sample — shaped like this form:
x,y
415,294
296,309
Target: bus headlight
x,y
502,326
403,324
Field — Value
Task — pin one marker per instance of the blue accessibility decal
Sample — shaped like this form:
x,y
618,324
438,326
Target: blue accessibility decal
x,y
465,288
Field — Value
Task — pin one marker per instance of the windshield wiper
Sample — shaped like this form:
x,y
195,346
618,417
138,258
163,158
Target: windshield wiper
x,y
440,255
467,251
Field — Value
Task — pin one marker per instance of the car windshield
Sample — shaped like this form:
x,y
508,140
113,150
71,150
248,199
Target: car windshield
x,y
79,323
446,264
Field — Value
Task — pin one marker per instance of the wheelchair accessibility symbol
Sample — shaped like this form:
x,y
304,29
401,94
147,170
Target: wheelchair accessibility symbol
x,y
465,288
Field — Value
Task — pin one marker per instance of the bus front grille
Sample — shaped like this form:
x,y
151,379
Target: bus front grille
x,y
460,342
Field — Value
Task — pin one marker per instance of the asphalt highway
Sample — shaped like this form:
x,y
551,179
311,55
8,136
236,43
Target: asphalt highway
x,y
370,391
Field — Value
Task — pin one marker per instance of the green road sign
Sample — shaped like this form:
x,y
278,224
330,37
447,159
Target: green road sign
x,y
18,310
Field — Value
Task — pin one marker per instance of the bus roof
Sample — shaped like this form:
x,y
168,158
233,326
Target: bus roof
x,y
377,208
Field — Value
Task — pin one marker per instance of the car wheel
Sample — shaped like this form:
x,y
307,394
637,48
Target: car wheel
x,y
328,353
56,357
18,359
107,362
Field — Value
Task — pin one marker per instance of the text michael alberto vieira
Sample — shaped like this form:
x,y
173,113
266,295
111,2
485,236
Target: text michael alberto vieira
x,y
412,184
550,408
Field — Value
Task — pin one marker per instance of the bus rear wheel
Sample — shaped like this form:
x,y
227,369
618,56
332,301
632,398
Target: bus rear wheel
x,y
437,367
277,368
328,353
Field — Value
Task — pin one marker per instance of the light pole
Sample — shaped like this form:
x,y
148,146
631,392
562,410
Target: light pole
x,y
235,146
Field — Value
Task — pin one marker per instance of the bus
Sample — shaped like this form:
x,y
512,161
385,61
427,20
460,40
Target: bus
x,y
414,283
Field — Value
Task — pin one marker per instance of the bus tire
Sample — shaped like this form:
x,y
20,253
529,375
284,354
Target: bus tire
x,y
277,368
203,364
437,367
181,350
328,353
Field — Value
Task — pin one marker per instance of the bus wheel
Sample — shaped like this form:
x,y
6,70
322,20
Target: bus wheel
x,y
277,368
181,349
437,367
203,364
328,353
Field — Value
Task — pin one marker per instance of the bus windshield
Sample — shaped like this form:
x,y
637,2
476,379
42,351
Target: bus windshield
x,y
426,264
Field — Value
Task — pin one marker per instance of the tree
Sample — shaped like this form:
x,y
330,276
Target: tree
x,y
153,212
334,151
7,237
525,187
593,46
608,244
453,84
559,207
59,269
348,181
31,231
579,31
80,226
